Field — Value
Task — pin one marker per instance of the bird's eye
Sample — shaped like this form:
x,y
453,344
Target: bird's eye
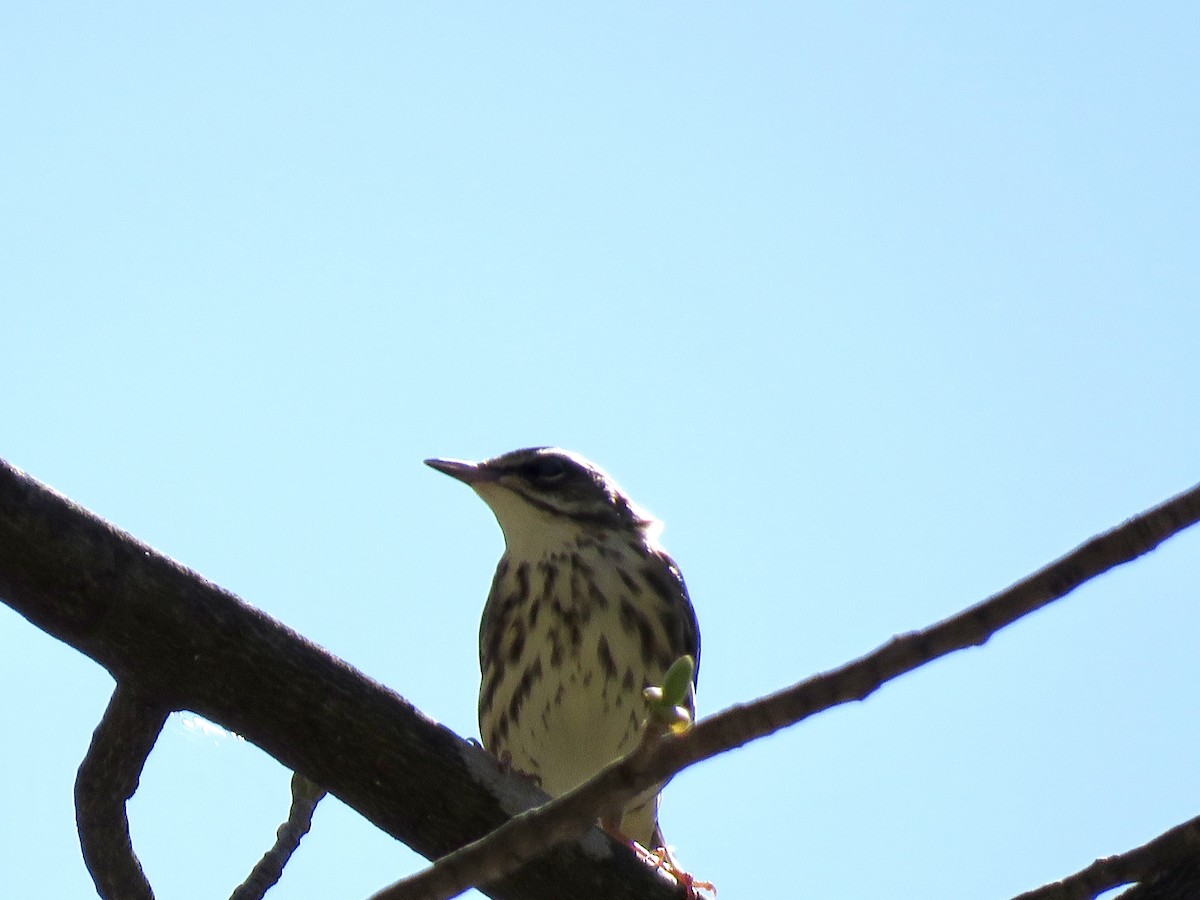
x,y
548,469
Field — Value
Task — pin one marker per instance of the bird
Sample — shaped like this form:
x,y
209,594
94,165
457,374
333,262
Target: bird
x,y
585,611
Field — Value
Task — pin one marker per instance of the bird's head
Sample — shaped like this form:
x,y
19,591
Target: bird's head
x,y
540,494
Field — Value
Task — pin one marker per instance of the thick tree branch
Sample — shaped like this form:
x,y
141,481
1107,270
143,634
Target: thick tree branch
x,y
190,645
1176,881
107,778
1179,845
520,839
525,836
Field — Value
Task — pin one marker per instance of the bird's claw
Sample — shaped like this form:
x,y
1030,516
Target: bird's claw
x,y
664,860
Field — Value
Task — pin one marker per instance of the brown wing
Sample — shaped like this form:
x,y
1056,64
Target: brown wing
x,y
679,619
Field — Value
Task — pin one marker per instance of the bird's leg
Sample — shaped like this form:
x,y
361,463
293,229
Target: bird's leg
x,y
659,858
662,858
505,764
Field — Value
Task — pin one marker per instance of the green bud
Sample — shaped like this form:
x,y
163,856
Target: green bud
x,y
677,683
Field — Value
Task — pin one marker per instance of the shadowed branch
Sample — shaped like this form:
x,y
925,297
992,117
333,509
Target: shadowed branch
x,y
1180,844
107,778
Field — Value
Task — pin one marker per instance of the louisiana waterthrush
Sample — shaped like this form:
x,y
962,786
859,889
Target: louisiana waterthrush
x,y
585,611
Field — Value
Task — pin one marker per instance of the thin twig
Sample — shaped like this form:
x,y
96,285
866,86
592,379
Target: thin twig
x,y
108,777
268,870
524,837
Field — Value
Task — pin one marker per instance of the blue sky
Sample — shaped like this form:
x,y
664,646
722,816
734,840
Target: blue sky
x,y
878,306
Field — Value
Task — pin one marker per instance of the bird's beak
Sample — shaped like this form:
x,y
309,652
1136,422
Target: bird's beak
x,y
471,473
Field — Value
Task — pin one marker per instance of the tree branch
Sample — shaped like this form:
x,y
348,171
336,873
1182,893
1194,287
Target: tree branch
x,y
268,870
150,621
506,849
1178,845
1179,880
107,778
